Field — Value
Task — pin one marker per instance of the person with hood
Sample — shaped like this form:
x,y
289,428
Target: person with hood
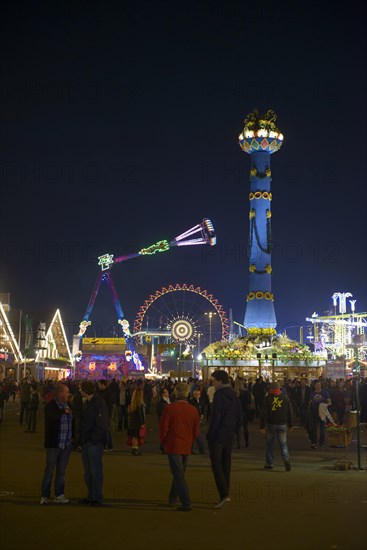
x,y
276,415
225,423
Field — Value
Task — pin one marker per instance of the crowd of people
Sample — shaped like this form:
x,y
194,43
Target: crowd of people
x,y
84,416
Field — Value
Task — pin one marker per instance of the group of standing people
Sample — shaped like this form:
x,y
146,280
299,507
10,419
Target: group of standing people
x,y
59,439
84,423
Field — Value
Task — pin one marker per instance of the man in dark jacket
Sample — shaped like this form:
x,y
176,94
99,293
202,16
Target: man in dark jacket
x,y
58,436
33,405
276,415
225,423
94,436
109,396
303,392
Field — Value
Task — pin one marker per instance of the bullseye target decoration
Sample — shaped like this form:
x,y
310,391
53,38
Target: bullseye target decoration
x,y
182,330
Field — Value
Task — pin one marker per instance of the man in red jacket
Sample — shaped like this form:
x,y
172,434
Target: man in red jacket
x,y
178,429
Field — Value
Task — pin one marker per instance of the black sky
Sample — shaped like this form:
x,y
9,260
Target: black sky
x,y
119,128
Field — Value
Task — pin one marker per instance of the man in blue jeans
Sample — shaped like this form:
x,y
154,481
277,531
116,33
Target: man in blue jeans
x,y
58,435
178,429
94,436
276,417
225,423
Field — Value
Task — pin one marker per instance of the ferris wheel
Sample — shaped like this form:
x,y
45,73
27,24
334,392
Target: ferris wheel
x,y
185,313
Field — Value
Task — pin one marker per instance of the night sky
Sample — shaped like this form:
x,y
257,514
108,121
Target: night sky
x,y
119,127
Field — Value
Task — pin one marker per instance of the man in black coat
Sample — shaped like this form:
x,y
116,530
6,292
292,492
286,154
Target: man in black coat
x,y
94,436
225,423
58,440
108,394
303,400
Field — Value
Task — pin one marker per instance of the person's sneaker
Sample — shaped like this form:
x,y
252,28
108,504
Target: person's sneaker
x,y
136,452
44,500
61,499
268,467
222,502
287,465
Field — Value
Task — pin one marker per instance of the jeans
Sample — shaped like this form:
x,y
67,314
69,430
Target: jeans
x,y
93,470
278,431
200,444
220,458
23,409
122,417
32,421
303,409
179,487
58,458
318,431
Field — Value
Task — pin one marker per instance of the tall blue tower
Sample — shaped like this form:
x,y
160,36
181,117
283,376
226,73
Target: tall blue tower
x,y
260,138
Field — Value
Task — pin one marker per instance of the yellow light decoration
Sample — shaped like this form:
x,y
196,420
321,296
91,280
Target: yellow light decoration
x,y
112,366
252,213
252,268
261,331
268,269
268,214
92,366
260,195
260,295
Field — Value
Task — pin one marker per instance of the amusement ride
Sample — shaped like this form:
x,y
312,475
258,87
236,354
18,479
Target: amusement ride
x,y
183,325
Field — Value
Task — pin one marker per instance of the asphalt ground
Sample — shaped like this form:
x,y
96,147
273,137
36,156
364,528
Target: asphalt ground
x,y
311,507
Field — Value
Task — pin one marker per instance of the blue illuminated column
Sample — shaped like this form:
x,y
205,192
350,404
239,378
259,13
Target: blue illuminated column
x,y
260,138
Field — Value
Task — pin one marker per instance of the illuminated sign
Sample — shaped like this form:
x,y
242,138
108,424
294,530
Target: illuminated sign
x,y
104,341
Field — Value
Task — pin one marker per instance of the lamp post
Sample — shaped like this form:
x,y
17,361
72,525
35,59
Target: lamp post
x,y
210,315
358,342
199,341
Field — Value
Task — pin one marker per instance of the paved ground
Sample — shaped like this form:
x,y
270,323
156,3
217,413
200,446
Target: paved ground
x,y
311,507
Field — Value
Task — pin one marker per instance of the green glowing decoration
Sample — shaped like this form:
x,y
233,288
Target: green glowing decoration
x,y
105,261
160,246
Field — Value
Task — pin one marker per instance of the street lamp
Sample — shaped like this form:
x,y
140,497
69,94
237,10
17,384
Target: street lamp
x,y
210,315
358,342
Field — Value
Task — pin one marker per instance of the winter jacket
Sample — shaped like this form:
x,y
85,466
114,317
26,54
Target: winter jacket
x,y
33,402
225,416
179,427
277,410
136,418
52,415
95,421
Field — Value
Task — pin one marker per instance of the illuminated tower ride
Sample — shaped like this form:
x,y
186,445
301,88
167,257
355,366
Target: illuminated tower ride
x,y
260,138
